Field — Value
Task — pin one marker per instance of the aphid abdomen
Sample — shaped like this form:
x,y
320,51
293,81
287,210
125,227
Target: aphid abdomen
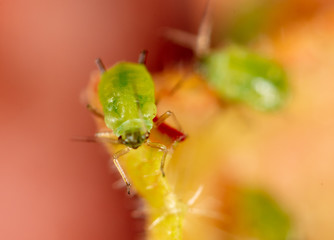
x,y
126,92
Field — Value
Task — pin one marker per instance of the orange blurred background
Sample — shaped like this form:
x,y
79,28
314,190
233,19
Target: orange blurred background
x,y
54,188
51,187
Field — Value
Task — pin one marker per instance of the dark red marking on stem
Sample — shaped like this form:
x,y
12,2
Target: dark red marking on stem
x,y
171,132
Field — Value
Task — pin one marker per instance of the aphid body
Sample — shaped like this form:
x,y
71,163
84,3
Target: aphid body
x,y
126,92
236,73
240,75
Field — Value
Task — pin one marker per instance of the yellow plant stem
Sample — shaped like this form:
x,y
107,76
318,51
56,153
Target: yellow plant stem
x,y
165,212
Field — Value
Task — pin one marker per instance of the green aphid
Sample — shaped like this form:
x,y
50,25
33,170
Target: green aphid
x,y
240,75
126,93
236,73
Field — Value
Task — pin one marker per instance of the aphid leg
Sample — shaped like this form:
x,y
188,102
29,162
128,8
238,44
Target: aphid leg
x,y
142,57
166,115
119,168
108,137
163,148
199,43
100,65
96,112
85,139
178,84
171,92
204,32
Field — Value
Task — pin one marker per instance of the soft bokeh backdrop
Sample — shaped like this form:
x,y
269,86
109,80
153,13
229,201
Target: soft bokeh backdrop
x,y
53,188
50,187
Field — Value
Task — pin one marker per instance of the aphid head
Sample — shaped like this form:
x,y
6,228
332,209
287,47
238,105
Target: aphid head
x,y
134,139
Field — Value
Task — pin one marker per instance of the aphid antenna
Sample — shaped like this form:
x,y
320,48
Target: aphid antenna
x,y
142,57
100,65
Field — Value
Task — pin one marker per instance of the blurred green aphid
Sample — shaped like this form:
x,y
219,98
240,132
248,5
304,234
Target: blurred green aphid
x,y
240,75
126,93
260,216
234,72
